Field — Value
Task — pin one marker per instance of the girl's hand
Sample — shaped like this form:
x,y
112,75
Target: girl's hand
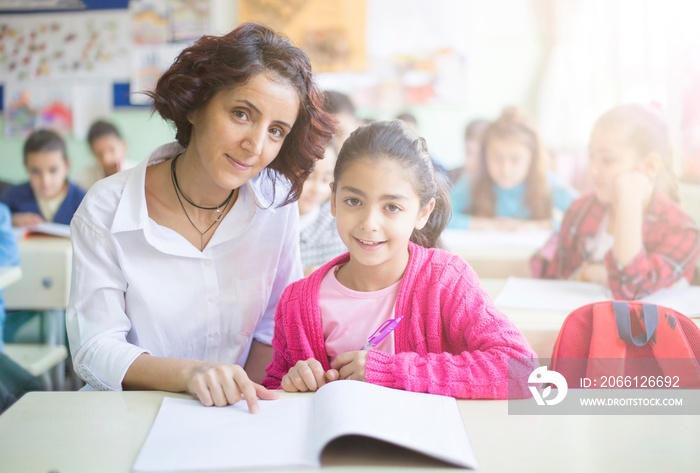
x,y
26,219
351,365
593,272
221,384
307,375
633,187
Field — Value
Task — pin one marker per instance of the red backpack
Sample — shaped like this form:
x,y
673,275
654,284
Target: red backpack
x,y
617,344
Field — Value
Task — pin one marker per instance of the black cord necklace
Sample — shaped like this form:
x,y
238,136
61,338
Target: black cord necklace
x,y
177,187
218,211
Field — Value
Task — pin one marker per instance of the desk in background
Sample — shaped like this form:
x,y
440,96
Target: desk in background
x,y
496,254
103,431
9,275
46,264
540,327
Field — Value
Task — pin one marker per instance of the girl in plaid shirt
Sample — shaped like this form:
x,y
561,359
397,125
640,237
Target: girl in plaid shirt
x,y
629,233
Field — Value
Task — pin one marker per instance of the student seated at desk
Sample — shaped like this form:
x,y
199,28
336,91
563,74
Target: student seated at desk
x,y
629,233
319,240
473,138
343,110
390,211
109,149
48,196
512,190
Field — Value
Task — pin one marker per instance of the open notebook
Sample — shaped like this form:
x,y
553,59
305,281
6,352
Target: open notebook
x,y
46,228
292,432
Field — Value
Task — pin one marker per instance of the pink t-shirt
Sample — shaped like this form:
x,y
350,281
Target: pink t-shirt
x,y
350,317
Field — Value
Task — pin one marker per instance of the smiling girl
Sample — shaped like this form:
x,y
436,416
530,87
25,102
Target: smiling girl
x,y
390,210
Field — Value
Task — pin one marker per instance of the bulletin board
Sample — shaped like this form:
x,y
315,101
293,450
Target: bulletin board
x,y
333,34
64,68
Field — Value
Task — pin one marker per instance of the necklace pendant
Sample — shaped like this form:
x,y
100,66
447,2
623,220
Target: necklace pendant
x,y
218,213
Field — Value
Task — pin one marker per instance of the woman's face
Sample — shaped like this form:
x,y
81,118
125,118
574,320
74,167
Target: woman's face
x,y
242,128
508,162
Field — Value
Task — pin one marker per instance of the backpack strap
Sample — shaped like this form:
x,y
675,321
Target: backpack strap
x,y
622,318
670,347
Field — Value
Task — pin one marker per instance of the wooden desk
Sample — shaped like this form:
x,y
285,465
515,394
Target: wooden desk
x,y
46,264
540,327
96,431
9,275
494,254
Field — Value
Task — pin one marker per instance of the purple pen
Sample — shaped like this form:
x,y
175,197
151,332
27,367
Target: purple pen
x,y
382,332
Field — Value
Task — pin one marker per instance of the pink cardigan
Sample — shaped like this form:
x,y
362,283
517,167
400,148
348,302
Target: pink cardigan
x,y
452,341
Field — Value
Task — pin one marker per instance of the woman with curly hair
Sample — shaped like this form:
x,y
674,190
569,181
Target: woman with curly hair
x,y
180,261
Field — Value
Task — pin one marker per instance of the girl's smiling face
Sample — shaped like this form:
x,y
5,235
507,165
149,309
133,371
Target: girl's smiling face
x,y
376,209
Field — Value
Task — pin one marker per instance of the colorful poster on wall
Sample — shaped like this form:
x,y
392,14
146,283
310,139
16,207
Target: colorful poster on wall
x,y
65,106
37,105
331,33
189,19
168,21
64,45
147,65
149,21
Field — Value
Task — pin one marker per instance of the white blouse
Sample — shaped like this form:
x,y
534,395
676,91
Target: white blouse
x,y
138,287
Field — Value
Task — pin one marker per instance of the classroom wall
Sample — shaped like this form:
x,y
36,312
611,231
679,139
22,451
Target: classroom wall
x,y
140,129
504,59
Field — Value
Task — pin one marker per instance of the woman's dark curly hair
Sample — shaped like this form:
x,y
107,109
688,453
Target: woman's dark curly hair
x,y
214,63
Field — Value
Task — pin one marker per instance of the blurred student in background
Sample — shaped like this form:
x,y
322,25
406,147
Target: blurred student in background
x,y
48,196
319,241
629,233
512,189
473,136
343,110
109,149
410,120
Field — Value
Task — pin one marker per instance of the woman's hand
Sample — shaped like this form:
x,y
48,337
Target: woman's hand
x,y
307,375
26,219
351,365
221,384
